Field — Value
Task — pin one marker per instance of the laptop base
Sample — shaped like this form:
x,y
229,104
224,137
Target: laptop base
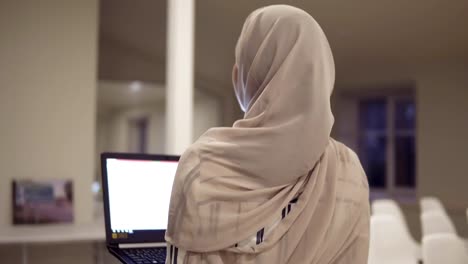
x,y
139,255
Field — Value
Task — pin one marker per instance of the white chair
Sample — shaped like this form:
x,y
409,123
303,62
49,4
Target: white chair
x,y
444,248
390,207
436,222
389,242
430,203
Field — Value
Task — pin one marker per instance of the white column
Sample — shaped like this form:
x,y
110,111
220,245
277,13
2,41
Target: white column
x,y
179,75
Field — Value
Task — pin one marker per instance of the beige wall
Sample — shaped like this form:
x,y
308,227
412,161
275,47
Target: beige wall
x,y
208,112
442,131
443,139
47,101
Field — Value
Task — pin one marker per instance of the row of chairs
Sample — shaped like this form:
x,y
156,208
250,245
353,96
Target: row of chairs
x,y
392,243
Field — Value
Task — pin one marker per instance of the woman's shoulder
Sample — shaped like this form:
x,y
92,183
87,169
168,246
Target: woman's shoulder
x,y
344,153
349,164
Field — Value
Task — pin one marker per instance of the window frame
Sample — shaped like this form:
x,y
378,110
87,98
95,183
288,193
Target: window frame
x,y
391,97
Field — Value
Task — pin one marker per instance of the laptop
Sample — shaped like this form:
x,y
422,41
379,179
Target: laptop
x,y
136,192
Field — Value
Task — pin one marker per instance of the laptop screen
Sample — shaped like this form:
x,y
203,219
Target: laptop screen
x,y
138,195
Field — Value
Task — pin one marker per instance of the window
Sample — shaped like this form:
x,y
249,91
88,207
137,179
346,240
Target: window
x,y
373,140
386,142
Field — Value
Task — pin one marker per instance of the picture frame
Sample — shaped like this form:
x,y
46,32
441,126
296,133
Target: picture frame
x,y
42,201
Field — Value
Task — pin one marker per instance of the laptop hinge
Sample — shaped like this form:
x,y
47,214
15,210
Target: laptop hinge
x,y
142,245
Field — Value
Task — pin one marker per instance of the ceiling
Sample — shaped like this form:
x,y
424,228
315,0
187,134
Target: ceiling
x,y
365,34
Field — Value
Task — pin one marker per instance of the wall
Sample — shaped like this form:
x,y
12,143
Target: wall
x,y
443,139
208,112
442,131
47,102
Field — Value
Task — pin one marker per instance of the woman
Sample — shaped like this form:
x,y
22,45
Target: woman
x,y
274,188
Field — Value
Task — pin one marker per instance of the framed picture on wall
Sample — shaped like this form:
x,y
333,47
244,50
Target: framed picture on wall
x,y
42,201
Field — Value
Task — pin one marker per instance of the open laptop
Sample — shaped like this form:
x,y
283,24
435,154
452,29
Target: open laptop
x,y
137,190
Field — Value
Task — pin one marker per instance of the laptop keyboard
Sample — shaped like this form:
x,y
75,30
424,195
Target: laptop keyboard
x,y
146,255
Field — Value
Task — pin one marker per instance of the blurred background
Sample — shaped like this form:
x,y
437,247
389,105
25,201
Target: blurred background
x,y
79,77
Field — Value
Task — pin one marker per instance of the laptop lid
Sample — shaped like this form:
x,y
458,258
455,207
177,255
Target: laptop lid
x,y
136,192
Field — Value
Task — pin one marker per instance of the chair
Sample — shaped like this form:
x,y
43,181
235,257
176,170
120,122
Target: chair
x,y
389,242
435,222
430,203
444,248
390,207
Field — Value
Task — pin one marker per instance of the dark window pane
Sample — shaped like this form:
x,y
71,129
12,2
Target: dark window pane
x,y
405,114
373,114
405,161
372,153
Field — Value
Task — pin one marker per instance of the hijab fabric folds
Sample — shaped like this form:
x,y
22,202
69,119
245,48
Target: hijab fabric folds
x,y
234,181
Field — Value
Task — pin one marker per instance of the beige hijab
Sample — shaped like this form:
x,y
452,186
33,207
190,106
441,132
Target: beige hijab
x,y
235,180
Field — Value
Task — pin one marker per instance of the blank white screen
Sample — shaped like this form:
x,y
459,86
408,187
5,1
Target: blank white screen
x,y
139,193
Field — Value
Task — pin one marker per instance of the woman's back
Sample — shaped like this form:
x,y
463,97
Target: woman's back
x,y
340,237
